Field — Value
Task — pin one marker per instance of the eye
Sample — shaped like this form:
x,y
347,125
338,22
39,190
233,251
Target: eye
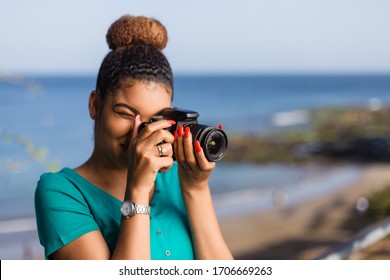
x,y
125,114
125,111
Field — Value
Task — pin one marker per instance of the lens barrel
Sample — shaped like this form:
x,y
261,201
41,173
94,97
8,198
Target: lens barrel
x,y
213,141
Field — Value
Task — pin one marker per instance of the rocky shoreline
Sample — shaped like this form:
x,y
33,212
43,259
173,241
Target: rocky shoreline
x,y
330,135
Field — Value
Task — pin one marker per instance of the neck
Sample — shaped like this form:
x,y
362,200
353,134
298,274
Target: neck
x,y
111,179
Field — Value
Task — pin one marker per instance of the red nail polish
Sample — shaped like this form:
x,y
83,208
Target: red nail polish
x,y
180,132
198,148
187,131
172,122
220,126
175,135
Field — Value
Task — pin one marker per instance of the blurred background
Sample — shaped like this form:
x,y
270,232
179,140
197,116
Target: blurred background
x,y
302,89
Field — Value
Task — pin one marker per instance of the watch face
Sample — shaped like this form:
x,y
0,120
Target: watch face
x,y
127,208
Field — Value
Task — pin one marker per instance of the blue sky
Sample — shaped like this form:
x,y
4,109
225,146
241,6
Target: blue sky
x,y
243,36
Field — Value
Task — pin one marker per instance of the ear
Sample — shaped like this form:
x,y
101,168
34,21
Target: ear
x,y
94,105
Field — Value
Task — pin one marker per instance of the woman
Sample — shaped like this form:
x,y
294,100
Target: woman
x,y
129,200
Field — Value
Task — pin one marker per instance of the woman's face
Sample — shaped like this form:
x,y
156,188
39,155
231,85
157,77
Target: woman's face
x,y
115,122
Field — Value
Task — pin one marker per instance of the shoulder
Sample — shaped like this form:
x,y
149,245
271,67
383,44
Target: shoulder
x,y
57,183
51,179
62,211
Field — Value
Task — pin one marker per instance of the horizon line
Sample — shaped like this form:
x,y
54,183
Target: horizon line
x,y
206,73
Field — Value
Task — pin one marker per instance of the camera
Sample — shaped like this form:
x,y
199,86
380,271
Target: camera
x,y
213,141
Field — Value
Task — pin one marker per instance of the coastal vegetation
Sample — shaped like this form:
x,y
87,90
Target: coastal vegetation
x,y
379,204
330,134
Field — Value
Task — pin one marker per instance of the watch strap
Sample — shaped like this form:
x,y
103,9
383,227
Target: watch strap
x,y
141,209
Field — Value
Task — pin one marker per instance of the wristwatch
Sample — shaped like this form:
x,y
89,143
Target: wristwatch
x,y
129,209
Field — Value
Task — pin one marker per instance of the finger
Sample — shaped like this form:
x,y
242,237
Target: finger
x,y
153,127
164,150
189,150
203,163
136,124
180,154
168,165
164,163
175,144
161,136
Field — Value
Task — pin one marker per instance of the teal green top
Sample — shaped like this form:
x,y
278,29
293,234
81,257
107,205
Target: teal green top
x,y
68,206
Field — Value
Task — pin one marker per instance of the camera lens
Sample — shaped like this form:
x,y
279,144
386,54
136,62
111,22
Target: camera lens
x,y
213,146
214,143
212,140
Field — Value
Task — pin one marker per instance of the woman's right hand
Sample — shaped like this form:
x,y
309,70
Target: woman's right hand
x,y
144,157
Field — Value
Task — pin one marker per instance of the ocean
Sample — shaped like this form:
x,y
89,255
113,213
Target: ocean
x,y
44,125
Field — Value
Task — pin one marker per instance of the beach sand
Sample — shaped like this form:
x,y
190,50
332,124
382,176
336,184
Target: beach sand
x,y
308,229
298,232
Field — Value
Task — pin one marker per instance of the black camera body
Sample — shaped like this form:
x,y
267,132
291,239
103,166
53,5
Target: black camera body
x,y
213,140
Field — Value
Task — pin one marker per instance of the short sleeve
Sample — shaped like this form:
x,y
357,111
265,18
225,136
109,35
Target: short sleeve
x,y
62,212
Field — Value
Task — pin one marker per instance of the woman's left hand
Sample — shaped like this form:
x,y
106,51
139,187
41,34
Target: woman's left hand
x,y
194,174
194,168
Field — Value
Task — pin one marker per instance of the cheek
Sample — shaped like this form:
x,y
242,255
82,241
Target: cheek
x,y
119,127
114,127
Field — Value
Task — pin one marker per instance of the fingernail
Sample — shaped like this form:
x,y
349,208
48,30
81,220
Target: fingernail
x,y
220,126
198,148
187,131
175,135
171,122
180,132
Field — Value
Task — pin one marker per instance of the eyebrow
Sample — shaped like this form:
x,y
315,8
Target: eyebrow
x,y
134,110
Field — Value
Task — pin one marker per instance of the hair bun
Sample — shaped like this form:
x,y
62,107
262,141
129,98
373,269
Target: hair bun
x,y
129,30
